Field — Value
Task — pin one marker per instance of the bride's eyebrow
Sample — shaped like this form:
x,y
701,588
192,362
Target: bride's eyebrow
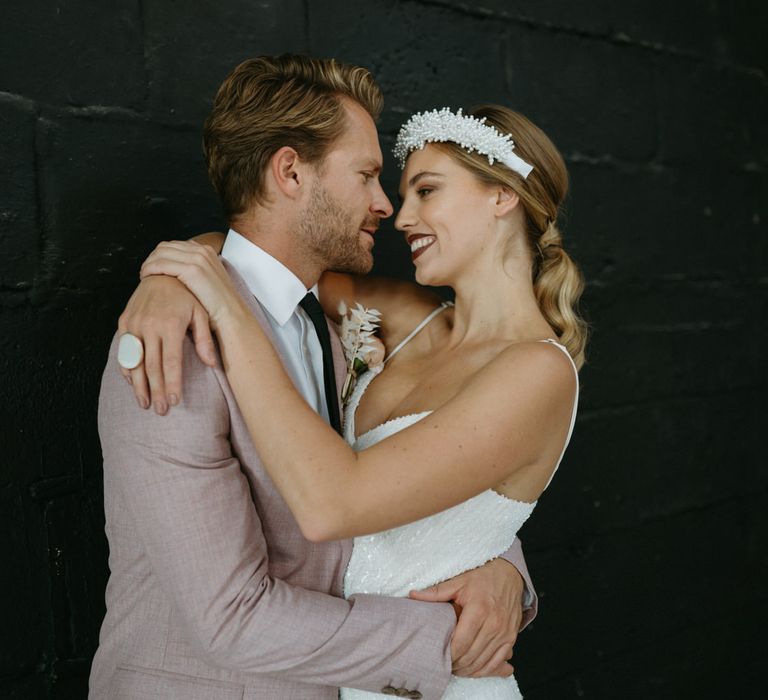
x,y
418,176
423,173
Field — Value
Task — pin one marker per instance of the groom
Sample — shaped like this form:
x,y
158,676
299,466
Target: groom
x,y
214,591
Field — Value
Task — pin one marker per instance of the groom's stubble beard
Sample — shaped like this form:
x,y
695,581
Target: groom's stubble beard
x,y
332,234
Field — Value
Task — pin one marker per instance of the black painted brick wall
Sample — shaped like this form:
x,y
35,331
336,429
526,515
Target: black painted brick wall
x,y
649,548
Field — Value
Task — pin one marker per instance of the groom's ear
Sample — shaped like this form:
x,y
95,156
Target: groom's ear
x,y
288,171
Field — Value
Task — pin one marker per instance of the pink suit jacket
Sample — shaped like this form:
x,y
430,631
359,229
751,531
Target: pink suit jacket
x,y
214,592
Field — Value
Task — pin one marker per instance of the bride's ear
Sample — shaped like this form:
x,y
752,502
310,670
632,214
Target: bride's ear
x,y
506,201
287,170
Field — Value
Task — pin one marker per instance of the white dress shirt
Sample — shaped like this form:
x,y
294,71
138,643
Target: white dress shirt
x,y
279,292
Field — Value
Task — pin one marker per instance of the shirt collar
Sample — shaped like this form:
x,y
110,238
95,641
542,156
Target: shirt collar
x,y
277,289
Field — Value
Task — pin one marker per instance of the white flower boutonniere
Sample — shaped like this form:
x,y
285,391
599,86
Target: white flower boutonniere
x,y
362,348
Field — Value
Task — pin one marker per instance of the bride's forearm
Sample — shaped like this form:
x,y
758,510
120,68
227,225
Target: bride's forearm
x,y
308,461
213,239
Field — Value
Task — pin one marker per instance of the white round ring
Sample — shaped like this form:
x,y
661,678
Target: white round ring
x,y
130,351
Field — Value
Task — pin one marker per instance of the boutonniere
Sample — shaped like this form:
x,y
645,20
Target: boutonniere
x,y
363,350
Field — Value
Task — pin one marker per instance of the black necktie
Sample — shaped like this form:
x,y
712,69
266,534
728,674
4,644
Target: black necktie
x,y
311,305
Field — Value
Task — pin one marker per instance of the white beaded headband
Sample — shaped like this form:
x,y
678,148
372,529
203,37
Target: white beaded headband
x,y
470,133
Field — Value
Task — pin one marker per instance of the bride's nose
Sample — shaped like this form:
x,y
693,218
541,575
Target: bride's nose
x,y
406,217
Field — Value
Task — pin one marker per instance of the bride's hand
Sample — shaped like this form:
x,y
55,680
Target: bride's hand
x,y
160,312
201,271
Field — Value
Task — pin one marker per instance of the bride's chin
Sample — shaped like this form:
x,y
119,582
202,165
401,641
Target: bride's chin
x,y
424,273
424,278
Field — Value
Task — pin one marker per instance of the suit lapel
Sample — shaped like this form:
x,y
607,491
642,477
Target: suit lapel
x,y
255,307
339,363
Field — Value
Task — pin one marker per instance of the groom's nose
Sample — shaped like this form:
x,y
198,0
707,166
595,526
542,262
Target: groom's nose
x,y
381,206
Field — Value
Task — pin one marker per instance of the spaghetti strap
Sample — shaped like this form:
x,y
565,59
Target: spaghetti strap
x,y
445,305
562,347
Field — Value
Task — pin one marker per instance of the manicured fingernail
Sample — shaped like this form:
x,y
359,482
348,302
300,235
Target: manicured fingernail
x,y
173,399
143,401
160,408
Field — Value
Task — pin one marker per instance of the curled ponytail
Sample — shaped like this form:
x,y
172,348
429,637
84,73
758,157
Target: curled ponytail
x,y
558,284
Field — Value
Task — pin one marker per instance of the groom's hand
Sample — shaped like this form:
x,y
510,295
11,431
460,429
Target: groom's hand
x,y
490,609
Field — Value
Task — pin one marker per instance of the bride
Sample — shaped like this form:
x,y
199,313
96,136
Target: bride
x,y
446,452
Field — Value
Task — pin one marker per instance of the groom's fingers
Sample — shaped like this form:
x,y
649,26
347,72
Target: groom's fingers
x,y
504,670
470,619
476,659
470,636
483,648
439,593
497,662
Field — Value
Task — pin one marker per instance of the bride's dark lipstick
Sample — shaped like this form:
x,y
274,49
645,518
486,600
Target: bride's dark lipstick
x,y
417,250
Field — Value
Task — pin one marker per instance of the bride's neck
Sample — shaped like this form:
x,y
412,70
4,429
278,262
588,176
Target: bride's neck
x,y
497,305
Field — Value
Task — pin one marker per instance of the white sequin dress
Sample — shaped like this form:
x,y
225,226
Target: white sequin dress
x,y
432,549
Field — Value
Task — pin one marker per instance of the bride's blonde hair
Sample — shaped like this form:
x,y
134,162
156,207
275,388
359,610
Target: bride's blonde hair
x,y
557,280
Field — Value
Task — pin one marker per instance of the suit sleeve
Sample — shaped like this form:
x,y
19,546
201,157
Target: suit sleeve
x,y
514,555
192,507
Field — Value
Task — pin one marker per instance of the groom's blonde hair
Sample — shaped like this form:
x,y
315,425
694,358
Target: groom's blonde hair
x,y
273,101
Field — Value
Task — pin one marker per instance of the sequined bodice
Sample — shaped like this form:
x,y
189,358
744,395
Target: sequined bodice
x,y
437,547
434,548
430,550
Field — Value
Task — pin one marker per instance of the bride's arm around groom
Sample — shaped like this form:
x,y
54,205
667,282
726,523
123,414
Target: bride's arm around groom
x,y
213,583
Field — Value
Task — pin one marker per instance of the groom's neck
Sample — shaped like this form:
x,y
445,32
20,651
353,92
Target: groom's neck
x,y
274,235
